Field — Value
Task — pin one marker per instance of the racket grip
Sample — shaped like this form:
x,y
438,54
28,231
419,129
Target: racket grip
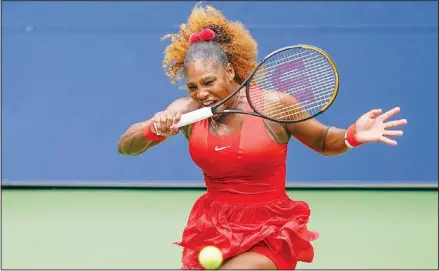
x,y
194,116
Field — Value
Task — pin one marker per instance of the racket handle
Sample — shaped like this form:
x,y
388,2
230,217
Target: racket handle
x,y
194,116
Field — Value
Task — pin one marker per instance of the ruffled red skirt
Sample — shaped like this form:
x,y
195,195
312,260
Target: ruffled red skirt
x,y
276,229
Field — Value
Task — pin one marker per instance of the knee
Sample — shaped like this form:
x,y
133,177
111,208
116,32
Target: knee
x,y
249,260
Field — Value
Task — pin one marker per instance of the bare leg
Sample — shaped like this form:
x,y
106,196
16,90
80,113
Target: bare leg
x,y
249,260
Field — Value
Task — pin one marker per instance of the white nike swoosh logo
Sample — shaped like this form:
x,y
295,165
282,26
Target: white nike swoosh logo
x,y
221,148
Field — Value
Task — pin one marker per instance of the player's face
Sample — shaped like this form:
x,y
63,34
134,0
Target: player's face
x,y
208,82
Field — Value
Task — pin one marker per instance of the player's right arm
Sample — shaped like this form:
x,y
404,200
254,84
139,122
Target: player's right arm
x,y
133,141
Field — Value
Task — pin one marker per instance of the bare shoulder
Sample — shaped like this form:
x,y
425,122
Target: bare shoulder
x,y
276,130
278,97
310,132
281,105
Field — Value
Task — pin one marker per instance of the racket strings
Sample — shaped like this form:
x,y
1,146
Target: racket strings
x,y
285,112
292,85
298,90
309,105
275,107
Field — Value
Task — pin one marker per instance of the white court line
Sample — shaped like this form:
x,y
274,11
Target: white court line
x,y
149,184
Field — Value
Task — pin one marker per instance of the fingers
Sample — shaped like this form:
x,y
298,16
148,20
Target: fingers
x,y
169,121
155,128
390,113
163,128
395,123
392,133
157,123
177,118
388,141
163,123
374,113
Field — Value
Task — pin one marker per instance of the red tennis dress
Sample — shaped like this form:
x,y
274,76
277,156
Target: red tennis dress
x,y
246,207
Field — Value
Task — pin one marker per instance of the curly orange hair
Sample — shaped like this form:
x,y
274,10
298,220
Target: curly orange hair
x,y
236,41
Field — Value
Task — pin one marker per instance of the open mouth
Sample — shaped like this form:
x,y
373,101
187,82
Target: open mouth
x,y
210,103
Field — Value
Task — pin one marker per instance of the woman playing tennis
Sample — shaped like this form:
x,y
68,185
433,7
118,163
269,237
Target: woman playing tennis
x,y
246,211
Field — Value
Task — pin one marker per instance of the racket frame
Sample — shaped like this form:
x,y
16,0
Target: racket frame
x,y
246,84
201,113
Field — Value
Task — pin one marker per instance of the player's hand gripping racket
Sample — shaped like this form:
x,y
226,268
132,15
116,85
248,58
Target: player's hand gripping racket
x,y
291,84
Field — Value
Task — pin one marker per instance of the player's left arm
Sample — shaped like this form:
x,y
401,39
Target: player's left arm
x,y
326,140
373,126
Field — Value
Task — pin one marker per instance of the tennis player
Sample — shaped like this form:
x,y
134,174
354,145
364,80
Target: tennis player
x,y
246,211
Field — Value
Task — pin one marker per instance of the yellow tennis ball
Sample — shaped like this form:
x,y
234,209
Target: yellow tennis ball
x,y
210,257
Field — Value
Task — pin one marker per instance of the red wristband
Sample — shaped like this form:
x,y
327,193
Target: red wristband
x,y
148,134
350,139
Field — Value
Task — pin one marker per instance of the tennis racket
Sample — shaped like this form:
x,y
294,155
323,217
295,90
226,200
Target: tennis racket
x,y
291,84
